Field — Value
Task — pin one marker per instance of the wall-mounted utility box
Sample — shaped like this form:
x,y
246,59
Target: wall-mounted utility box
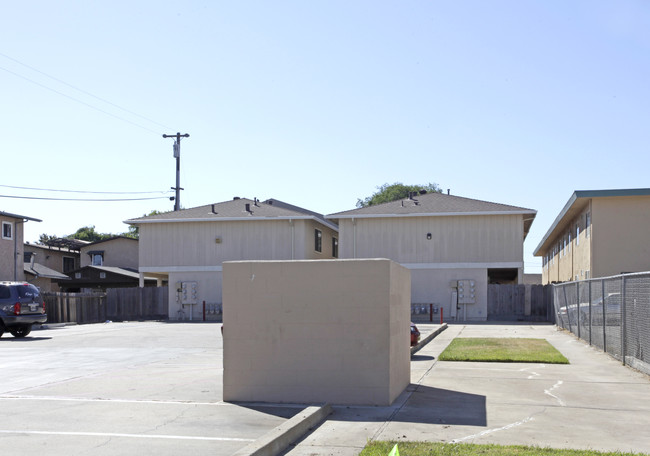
x,y
466,292
189,292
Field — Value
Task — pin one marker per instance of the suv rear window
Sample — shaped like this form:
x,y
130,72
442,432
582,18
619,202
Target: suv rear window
x,y
5,292
27,291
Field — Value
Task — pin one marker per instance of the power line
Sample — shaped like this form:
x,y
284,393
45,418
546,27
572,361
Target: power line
x,y
83,91
78,101
83,199
83,191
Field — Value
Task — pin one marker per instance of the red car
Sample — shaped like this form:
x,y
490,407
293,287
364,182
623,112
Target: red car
x,y
415,335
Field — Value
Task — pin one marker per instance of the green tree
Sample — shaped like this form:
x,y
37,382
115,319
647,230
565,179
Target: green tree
x,y
396,191
88,233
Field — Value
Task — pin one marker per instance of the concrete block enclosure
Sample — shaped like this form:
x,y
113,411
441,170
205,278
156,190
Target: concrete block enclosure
x,y
310,331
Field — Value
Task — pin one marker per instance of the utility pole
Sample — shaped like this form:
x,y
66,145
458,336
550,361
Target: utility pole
x,y
177,155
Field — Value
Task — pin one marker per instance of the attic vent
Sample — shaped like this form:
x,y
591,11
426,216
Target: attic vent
x,y
423,192
236,198
213,209
248,207
255,201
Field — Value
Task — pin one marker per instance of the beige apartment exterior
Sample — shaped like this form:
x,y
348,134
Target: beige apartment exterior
x,y
187,248
442,239
598,233
12,261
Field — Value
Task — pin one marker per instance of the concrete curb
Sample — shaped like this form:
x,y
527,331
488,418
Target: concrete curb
x,y
428,339
277,440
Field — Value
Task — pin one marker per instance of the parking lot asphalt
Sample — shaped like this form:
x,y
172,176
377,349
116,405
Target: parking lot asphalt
x,y
155,388
593,403
124,388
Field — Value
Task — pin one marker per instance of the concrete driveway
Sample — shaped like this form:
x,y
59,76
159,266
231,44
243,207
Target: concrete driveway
x,y
594,402
123,388
155,389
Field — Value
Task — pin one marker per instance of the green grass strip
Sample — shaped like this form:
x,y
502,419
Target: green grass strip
x,y
503,350
467,449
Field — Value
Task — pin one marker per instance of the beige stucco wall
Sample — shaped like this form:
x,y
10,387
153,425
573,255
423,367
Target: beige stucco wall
x,y
208,285
620,235
432,286
316,331
120,252
189,251
10,249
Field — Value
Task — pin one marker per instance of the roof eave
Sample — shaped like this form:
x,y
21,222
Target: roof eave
x,y
236,219
431,214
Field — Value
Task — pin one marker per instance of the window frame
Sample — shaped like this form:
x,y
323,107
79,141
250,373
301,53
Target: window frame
x,y
11,230
318,240
97,255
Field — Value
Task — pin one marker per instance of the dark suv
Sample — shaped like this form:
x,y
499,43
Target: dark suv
x,y
21,306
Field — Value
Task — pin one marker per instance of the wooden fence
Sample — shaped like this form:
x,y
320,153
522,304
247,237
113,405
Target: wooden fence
x,y
117,304
520,303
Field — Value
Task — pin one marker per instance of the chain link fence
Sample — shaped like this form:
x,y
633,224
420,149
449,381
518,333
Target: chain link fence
x,y
611,313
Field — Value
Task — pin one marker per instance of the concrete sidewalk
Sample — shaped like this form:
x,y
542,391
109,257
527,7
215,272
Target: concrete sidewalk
x,y
593,403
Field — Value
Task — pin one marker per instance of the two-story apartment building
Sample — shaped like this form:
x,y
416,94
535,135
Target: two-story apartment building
x,y
109,263
12,261
187,248
44,264
598,233
453,246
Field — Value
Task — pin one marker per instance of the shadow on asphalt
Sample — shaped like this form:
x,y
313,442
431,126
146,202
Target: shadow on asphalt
x,y
279,410
422,358
23,340
426,405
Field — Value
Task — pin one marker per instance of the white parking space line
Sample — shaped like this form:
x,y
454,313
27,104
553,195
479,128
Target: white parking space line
x,y
136,436
99,399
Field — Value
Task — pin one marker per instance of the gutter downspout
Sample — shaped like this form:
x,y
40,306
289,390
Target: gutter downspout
x,y
354,238
293,238
15,233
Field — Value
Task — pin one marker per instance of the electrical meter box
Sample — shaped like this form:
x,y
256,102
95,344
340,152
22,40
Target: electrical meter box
x,y
466,291
189,293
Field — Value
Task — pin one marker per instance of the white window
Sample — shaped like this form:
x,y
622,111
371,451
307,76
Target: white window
x,y
102,275
7,230
587,224
97,259
577,234
569,244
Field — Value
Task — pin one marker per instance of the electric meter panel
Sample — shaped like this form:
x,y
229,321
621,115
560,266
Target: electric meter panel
x,y
189,293
467,291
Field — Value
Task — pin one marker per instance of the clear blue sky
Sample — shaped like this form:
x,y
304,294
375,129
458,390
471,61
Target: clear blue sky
x,y
317,103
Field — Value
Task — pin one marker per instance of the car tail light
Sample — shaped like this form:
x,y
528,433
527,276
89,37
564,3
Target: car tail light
x,y
17,308
43,311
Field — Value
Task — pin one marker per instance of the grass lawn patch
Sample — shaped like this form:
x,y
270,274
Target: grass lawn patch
x,y
467,449
503,350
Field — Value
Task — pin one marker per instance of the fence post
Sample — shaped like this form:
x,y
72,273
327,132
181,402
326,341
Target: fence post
x,y
566,306
623,325
578,308
590,319
602,299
